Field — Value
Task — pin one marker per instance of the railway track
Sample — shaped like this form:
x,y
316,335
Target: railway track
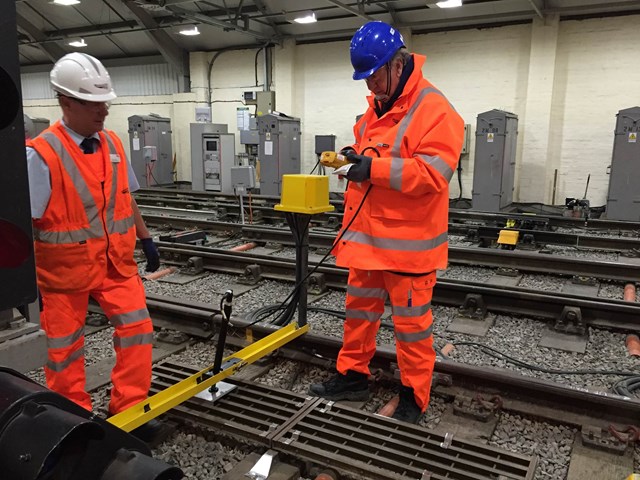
x,y
478,299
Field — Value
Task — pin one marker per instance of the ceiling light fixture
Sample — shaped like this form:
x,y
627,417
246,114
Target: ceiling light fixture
x,y
190,32
450,3
66,2
305,16
78,43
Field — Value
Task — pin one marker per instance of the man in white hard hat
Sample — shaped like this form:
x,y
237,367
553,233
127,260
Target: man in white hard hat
x,y
85,226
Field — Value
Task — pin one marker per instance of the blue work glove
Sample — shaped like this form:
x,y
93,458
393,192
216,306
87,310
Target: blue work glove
x,y
151,252
361,169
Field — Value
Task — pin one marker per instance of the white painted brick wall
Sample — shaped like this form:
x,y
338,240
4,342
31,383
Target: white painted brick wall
x,y
596,74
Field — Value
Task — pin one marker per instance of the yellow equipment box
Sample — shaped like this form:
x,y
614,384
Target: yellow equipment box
x,y
305,194
508,237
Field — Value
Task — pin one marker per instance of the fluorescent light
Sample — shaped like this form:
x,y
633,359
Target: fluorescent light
x,y
78,43
449,3
189,32
305,16
66,2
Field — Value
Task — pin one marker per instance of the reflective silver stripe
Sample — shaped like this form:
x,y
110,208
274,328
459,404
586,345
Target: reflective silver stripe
x,y
396,243
415,336
362,129
70,236
414,311
129,317
95,229
133,340
367,292
62,342
439,165
395,179
363,315
123,225
395,173
60,366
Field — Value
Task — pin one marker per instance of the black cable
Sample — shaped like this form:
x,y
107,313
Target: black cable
x,y
492,352
263,313
460,178
314,167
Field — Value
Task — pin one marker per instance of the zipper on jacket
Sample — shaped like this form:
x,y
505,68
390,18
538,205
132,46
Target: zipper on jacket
x,y
104,217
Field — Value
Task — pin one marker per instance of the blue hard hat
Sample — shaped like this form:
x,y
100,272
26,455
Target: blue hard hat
x,y
373,45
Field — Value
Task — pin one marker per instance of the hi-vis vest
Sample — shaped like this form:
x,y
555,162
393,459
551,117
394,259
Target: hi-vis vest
x,y
403,223
87,221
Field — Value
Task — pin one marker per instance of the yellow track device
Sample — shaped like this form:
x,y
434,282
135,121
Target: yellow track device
x,y
508,238
142,412
333,159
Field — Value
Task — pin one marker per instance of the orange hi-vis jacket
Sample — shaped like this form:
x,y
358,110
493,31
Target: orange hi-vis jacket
x,y
402,225
88,221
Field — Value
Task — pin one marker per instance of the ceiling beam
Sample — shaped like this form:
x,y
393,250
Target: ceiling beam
x,y
175,55
207,20
351,10
51,50
263,9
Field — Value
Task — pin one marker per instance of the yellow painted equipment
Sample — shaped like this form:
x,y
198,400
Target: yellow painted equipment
x,y
305,194
508,237
165,400
333,159
634,476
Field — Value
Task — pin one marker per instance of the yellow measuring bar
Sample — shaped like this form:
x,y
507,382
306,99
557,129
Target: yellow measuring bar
x,y
142,412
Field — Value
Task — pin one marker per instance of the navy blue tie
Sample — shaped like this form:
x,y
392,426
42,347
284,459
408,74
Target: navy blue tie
x,y
87,145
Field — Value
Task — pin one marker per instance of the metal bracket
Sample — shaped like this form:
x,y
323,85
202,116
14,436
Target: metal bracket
x,y
262,468
600,439
172,337
580,280
195,266
474,307
272,428
477,408
327,407
448,438
571,322
295,434
252,275
317,283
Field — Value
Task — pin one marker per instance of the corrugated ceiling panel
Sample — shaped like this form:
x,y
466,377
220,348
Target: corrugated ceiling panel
x,y
155,79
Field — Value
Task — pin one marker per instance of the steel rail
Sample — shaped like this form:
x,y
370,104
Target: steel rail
x,y
491,234
455,214
599,312
575,404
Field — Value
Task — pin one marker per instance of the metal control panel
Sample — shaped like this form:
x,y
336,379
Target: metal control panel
x,y
212,157
623,197
151,151
495,160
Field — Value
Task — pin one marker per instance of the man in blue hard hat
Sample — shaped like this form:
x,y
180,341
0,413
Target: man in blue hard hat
x,y
394,235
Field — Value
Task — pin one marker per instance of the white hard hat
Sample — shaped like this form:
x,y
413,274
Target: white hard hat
x,y
82,76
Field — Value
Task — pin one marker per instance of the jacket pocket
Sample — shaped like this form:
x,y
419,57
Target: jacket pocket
x,y
63,267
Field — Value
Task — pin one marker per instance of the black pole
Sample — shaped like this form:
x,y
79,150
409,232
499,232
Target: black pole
x,y
302,265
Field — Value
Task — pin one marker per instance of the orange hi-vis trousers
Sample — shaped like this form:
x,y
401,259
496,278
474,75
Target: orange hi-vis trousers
x,y
63,319
410,299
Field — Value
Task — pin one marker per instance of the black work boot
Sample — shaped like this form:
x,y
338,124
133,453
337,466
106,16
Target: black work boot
x,y
352,386
408,410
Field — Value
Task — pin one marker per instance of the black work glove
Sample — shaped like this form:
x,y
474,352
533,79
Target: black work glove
x,y
361,169
151,252
347,151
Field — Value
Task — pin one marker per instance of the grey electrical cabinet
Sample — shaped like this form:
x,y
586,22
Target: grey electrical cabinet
x,y
213,152
151,150
495,160
278,150
34,126
623,198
